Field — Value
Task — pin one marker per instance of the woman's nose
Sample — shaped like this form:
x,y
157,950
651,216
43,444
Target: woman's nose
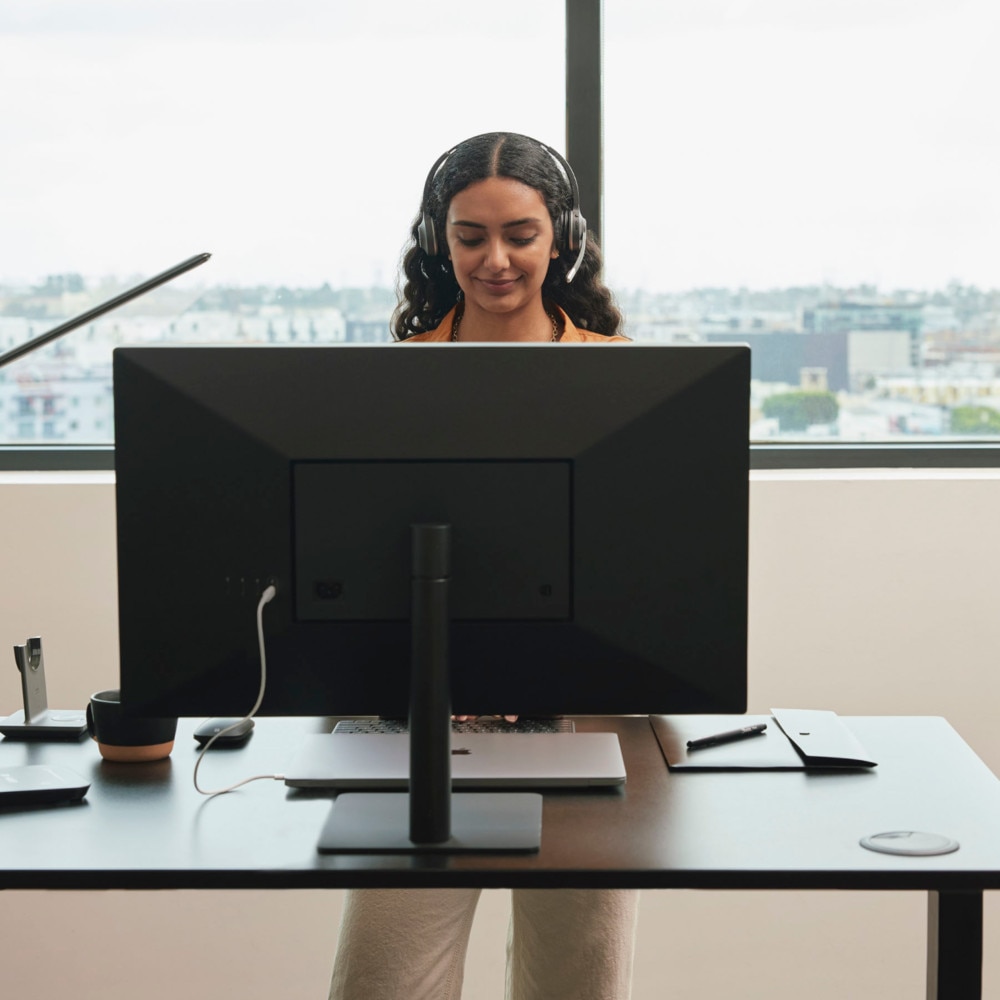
x,y
496,255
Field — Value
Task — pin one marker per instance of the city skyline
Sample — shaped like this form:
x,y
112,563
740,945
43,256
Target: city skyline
x,y
827,363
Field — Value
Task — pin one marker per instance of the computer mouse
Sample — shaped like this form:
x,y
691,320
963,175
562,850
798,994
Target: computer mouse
x,y
237,736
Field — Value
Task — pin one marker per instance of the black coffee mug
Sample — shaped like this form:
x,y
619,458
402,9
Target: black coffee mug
x,y
122,737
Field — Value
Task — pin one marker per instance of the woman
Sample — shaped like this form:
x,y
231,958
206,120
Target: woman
x,y
500,253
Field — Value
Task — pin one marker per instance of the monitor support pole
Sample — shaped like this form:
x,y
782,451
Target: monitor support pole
x,y
430,817
430,705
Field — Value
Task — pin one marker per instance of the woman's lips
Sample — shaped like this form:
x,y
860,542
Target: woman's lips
x,y
498,285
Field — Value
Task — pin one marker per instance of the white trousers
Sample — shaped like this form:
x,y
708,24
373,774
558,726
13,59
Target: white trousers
x,y
410,944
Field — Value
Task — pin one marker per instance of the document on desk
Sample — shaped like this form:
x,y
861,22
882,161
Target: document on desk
x,y
794,740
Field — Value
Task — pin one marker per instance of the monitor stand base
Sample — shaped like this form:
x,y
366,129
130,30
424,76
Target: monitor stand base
x,y
379,822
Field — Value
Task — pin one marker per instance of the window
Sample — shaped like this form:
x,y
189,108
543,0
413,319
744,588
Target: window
x,y
816,178
289,138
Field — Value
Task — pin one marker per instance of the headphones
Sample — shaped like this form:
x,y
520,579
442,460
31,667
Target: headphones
x,y
571,226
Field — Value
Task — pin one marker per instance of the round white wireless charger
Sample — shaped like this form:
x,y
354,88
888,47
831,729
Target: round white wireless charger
x,y
910,842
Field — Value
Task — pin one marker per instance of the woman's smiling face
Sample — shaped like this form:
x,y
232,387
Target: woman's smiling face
x,y
500,242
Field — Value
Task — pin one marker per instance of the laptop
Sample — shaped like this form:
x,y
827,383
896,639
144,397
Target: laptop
x,y
381,761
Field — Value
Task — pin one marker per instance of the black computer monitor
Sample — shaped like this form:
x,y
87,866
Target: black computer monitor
x,y
597,497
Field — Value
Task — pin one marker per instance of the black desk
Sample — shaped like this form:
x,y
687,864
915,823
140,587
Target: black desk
x,y
143,826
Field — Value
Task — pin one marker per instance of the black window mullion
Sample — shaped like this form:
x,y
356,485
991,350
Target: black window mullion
x,y
585,106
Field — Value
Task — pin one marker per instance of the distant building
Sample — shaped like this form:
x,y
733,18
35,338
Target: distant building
x,y
875,353
50,403
783,357
883,338
367,331
814,380
843,317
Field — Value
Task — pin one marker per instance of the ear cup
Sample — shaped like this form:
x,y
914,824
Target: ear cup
x,y
572,231
572,225
564,235
427,238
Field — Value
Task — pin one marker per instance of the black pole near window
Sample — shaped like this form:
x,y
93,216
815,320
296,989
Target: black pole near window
x,y
585,107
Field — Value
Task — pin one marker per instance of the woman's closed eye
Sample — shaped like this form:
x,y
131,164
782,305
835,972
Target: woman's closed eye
x,y
518,241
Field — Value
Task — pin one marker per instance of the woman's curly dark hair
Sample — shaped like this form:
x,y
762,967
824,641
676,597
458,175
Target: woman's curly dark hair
x,y
429,288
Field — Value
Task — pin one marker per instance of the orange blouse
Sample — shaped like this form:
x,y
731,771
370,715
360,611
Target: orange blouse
x,y
571,334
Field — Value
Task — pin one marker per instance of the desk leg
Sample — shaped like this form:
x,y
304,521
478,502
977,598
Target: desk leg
x,y
954,945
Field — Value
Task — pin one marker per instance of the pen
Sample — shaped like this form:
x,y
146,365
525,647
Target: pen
x,y
727,737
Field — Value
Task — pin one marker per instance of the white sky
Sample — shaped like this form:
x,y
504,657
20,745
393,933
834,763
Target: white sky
x,y
750,143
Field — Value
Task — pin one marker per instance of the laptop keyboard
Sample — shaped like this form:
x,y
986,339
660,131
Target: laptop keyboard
x,y
482,725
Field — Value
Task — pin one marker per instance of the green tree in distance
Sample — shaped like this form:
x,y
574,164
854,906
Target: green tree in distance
x,y
975,420
799,410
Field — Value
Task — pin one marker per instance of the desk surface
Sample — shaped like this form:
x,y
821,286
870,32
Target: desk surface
x,y
143,826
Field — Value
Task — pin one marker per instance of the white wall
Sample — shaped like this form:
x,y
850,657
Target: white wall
x,y
870,593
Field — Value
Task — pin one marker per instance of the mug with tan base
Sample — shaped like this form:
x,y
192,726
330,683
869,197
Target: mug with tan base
x,y
122,737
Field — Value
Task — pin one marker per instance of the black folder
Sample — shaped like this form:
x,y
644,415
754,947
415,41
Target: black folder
x,y
795,740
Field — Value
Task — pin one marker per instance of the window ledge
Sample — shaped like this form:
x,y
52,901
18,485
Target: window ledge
x,y
771,456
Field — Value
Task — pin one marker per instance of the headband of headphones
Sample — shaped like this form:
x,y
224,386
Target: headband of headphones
x,y
571,226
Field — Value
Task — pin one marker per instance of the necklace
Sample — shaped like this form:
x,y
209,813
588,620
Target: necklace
x,y
457,322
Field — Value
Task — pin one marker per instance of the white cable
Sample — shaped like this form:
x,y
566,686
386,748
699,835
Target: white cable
x,y
265,598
